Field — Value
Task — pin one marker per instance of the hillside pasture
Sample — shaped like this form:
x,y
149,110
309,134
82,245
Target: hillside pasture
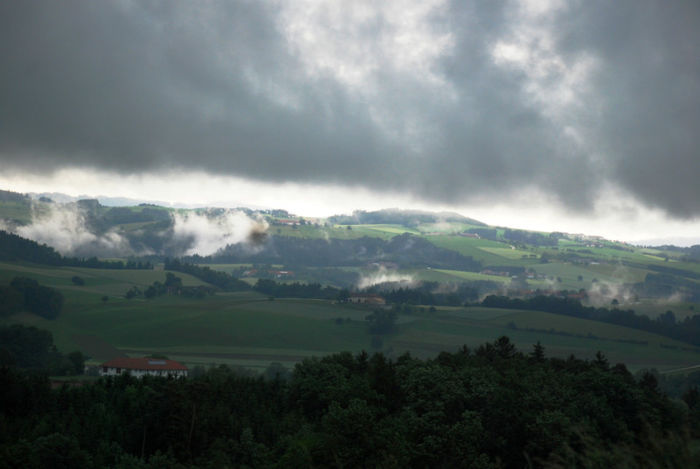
x,y
561,336
470,276
446,228
391,229
480,250
329,232
617,272
247,329
569,274
510,252
611,254
112,282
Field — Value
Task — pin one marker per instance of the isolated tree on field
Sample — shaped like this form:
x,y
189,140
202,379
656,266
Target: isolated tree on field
x,y
77,280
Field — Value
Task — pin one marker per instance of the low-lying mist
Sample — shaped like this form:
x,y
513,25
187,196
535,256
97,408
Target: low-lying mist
x,y
386,276
209,232
64,228
604,293
73,230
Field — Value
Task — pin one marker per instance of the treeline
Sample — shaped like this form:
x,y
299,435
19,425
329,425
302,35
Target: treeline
x,y
435,294
32,349
172,286
25,294
15,248
10,196
491,408
405,250
298,290
687,254
667,325
409,218
485,233
217,278
95,263
663,285
122,215
531,237
427,293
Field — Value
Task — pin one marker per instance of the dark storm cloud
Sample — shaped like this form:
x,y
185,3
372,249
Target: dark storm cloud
x,y
650,87
129,86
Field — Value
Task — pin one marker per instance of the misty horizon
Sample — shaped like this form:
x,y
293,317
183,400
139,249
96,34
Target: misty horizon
x,y
517,113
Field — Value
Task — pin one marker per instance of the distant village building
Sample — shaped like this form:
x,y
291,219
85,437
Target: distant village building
x,y
285,221
366,298
281,273
139,367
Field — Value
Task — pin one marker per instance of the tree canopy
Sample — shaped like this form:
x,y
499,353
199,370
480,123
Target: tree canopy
x,y
494,407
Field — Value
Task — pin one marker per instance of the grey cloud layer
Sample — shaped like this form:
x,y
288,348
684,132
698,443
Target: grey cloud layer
x,y
131,86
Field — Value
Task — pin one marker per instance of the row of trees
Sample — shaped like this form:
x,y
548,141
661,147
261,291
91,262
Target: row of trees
x,y
433,293
297,290
531,237
409,218
664,285
665,324
172,286
405,250
494,407
427,293
16,248
217,278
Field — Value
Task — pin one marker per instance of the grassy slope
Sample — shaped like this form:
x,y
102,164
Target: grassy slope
x,y
247,329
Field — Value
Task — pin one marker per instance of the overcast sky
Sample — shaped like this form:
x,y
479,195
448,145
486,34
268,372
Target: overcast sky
x,y
567,115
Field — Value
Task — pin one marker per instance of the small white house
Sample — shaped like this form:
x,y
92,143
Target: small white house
x,y
139,367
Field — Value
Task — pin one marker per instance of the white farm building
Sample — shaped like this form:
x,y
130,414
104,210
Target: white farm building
x,y
139,367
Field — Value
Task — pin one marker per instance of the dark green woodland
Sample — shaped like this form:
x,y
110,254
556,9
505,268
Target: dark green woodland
x,y
493,407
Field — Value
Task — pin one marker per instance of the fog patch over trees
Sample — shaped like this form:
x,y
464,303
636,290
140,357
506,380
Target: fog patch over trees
x,y
86,228
603,293
64,227
384,275
206,233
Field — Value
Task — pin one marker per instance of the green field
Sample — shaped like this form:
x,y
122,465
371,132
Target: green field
x,y
488,252
460,275
247,329
446,228
510,252
341,231
391,229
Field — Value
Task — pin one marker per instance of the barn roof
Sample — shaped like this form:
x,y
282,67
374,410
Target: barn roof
x,y
145,364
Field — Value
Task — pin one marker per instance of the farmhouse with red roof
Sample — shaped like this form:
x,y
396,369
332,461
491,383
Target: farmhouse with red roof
x,y
139,367
367,298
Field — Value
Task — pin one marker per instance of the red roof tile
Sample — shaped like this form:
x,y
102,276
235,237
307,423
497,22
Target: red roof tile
x,y
145,364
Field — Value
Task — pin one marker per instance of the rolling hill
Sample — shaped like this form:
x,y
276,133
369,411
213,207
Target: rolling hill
x,y
441,252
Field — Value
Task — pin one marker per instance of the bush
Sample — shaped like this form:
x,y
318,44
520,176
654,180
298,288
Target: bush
x,y
77,280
